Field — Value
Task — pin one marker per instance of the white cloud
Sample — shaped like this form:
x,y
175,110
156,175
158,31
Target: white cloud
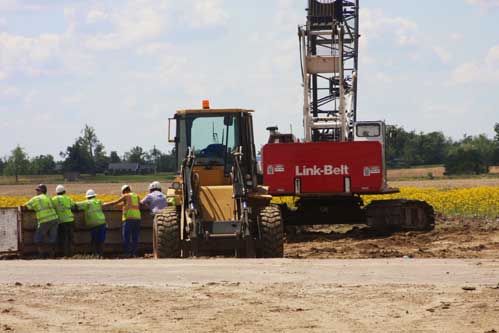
x,y
443,54
493,55
456,37
483,71
15,5
143,21
484,4
207,13
96,15
8,91
27,54
135,23
376,24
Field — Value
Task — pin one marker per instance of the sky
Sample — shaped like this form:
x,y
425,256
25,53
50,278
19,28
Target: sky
x,y
125,66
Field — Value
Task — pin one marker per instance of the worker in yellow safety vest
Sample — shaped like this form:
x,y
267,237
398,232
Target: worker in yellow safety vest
x,y
131,218
95,220
63,206
47,221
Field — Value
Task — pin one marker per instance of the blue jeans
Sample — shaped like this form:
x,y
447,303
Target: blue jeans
x,y
98,237
98,234
47,230
131,229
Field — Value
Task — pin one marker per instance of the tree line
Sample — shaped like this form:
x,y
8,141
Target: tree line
x,y
86,155
469,155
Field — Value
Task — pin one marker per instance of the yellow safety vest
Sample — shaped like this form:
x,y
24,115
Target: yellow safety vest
x,y
63,205
131,208
43,207
94,216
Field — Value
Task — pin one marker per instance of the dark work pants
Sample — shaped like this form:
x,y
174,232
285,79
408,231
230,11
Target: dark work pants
x,y
131,230
66,235
98,237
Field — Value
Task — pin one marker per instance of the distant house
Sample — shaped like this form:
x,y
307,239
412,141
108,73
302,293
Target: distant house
x,y
71,176
129,168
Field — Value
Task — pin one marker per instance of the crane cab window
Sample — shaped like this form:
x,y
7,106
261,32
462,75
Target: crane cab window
x,y
368,130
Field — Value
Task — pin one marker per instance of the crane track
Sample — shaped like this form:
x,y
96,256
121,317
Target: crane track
x,y
400,214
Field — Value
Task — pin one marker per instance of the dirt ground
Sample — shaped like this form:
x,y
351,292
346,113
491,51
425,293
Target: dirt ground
x,y
398,285
248,308
425,172
228,295
452,238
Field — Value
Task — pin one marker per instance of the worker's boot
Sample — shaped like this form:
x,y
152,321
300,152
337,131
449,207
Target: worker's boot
x,y
100,251
70,250
40,252
51,252
95,250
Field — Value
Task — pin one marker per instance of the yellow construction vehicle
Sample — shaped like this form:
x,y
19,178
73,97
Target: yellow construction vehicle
x,y
219,206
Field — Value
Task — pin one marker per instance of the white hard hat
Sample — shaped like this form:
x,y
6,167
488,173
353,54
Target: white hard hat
x,y
90,194
154,186
60,189
124,187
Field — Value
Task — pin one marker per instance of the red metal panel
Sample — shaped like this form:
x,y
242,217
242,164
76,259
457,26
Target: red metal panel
x,y
322,167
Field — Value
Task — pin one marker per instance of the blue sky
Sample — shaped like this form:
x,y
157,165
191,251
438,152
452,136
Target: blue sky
x,y
125,66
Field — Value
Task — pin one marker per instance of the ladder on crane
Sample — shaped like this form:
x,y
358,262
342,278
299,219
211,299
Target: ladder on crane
x,y
329,45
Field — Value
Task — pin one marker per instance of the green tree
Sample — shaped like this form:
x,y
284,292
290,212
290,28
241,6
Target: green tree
x,y
464,160
90,142
155,156
496,130
167,162
17,163
2,165
100,158
87,154
405,149
136,155
77,158
471,155
114,157
396,138
43,165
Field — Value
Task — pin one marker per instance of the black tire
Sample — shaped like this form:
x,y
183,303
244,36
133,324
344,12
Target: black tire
x,y
272,234
166,234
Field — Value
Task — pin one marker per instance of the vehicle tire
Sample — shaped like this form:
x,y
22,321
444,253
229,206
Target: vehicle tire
x,y
166,234
271,231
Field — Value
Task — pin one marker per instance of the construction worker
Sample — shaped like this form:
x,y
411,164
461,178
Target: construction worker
x,y
131,219
155,200
63,206
47,221
96,221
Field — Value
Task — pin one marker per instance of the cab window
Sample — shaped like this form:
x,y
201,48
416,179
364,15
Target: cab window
x,y
368,130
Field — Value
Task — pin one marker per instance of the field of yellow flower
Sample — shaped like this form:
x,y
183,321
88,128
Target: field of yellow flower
x,y
13,201
476,201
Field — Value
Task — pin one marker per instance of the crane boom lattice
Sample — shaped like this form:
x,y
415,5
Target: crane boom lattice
x,y
329,45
